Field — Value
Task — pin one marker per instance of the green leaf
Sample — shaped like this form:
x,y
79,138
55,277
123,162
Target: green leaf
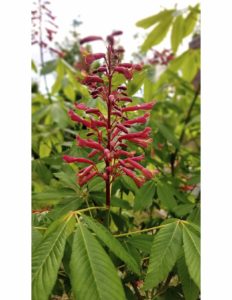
x,y
48,67
164,253
190,22
142,242
112,243
128,183
64,207
183,209
96,184
45,148
157,34
46,260
147,22
69,92
93,275
144,195
165,195
168,134
177,33
33,66
190,290
59,115
59,79
195,216
134,85
192,252
36,238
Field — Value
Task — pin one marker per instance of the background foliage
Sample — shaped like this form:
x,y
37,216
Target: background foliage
x,y
151,248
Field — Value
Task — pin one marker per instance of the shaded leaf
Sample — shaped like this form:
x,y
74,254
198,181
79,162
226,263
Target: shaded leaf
x,y
164,253
112,243
191,291
144,195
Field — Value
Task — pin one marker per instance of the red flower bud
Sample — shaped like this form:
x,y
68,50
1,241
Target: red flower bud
x,y
93,153
139,120
132,175
83,180
71,159
126,65
81,106
92,57
85,171
139,134
122,128
125,99
123,71
145,106
90,38
89,143
78,119
117,32
91,79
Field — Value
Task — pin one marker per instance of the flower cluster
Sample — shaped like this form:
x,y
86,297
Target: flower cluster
x,y
43,26
161,58
111,132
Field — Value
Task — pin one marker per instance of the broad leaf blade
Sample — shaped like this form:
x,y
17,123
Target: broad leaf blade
x,y
177,33
190,290
165,195
93,275
157,34
46,260
192,252
113,244
164,253
144,196
147,22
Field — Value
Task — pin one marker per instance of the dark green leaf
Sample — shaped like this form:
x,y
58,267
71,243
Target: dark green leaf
x,y
112,243
144,195
164,253
165,195
191,291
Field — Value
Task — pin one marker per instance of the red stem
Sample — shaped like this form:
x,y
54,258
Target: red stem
x,y
108,129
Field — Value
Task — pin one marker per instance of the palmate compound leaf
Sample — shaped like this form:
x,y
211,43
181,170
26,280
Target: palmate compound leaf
x,y
164,253
190,290
93,275
112,243
46,259
191,240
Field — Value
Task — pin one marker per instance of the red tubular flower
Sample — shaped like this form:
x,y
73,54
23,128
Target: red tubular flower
x,y
90,38
139,120
141,134
71,159
78,119
89,143
145,106
92,57
146,172
111,143
92,79
124,71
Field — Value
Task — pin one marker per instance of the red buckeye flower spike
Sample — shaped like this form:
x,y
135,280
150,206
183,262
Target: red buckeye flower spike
x,y
111,132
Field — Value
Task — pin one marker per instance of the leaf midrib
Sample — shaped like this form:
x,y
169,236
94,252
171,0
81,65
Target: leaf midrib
x,y
92,268
161,261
